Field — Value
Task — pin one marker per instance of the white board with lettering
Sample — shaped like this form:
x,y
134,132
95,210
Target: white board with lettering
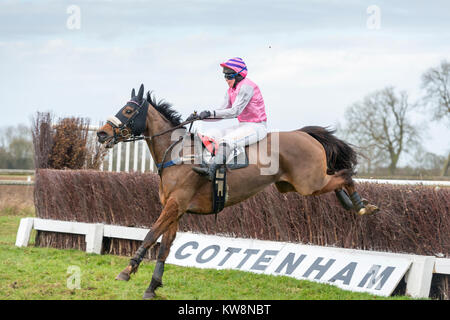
x,y
356,270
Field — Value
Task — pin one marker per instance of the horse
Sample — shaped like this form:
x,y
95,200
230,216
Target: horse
x,y
311,161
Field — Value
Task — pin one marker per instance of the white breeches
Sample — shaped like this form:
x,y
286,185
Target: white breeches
x,y
242,134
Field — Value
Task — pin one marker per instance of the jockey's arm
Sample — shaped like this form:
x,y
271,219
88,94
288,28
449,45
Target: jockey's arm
x,y
243,98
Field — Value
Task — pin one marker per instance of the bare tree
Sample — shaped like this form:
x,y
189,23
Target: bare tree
x,y
380,124
436,83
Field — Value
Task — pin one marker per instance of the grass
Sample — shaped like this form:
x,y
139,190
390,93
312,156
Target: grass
x,y
42,273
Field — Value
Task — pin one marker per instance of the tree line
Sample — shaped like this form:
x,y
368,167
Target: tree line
x,y
16,148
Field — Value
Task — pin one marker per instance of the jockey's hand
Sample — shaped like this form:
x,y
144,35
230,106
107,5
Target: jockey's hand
x,y
193,116
204,114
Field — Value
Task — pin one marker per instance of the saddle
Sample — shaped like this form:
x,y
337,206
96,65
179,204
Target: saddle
x,y
239,159
219,182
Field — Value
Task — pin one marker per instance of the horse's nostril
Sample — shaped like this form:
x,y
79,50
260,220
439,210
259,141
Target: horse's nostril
x,y
102,135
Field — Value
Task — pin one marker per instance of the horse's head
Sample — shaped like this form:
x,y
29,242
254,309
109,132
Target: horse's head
x,y
129,122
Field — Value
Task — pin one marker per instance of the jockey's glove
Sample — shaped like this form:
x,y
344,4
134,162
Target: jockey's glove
x,y
193,116
204,114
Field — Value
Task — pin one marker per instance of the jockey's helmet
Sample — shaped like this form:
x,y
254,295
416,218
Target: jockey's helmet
x,y
237,65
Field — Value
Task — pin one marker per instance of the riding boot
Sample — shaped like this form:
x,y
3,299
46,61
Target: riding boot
x,y
218,160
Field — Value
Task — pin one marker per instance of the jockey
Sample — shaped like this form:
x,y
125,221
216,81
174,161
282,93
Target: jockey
x,y
243,101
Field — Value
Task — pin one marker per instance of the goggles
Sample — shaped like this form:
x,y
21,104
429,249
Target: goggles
x,y
230,76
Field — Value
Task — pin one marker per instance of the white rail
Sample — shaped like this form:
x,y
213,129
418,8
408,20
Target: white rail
x,y
119,158
94,232
123,158
17,171
408,182
16,183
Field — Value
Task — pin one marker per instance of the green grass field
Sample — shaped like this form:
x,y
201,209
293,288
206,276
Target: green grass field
x,y
43,273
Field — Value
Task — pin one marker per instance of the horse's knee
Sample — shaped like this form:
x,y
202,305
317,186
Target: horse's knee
x,y
168,216
167,241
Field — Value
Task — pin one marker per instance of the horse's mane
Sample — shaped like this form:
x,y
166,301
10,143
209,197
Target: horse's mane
x,y
165,109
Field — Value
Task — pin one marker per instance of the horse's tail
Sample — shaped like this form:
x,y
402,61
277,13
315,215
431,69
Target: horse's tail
x,y
340,155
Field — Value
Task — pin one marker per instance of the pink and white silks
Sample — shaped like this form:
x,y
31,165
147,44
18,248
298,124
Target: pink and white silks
x,y
244,102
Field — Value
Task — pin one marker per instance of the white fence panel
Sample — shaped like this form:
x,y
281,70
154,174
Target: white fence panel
x,y
120,157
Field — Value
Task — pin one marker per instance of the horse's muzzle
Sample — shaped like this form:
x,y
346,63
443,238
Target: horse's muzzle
x,y
102,136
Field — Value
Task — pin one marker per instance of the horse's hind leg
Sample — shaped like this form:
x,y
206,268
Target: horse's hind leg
x,y
343,197
335,182
163,252
168,216
351,199
361,206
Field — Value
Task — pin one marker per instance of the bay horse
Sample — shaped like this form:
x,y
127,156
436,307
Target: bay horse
x,y
312,161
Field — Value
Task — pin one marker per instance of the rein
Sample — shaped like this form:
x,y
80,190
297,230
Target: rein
x,y
161,133
124,128
191,122
170,163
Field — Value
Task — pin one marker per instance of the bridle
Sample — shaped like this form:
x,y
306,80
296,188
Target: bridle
x,y
125,130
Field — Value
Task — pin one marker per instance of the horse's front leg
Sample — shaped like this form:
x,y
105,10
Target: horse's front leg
x,y
164,249
168,216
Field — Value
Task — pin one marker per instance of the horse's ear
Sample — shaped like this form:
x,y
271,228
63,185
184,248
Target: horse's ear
x,y
133,93
141,92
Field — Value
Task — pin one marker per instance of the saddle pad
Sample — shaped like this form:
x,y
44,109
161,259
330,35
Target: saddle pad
x,y
239,159
209,143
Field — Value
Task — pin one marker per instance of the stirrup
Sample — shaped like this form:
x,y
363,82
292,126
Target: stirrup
x,y
203,171
208,171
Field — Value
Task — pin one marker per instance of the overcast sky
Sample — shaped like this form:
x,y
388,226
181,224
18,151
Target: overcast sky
x,y
311,59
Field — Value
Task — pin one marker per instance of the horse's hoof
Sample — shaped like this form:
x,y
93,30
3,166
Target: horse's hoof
x,y
123,276
362,211
148,295
372,209
368,210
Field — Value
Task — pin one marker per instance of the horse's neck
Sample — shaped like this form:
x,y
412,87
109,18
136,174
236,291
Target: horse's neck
x,y
156,123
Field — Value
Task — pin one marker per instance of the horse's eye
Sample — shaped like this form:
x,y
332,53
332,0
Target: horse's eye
x,y
128,111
